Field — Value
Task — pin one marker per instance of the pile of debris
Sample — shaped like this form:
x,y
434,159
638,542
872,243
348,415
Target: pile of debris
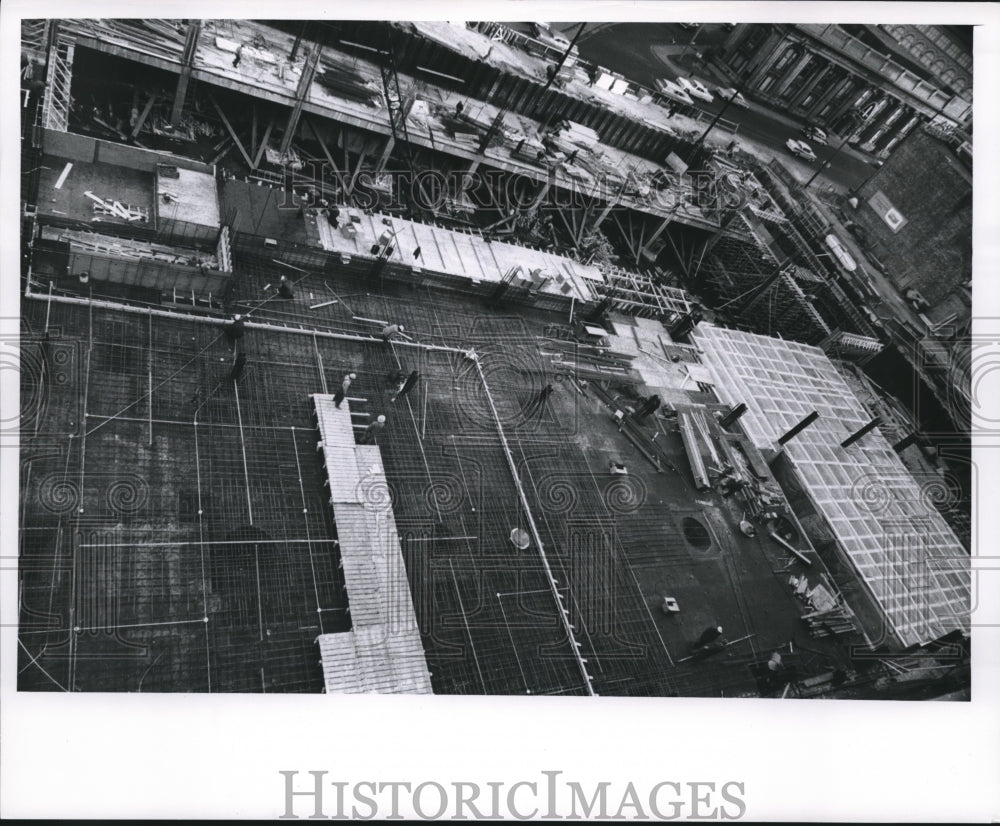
x,y
830,615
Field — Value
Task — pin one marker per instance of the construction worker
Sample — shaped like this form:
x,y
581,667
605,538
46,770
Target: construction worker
x,y
345,385
546,392
709,635
239,55
235,329
407,385
390,330
285,289
375,427
237,371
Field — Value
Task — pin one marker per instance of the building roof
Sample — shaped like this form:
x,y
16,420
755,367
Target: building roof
x,y
902,548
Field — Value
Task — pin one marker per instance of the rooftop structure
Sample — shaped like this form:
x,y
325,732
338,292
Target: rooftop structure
x,y
882,519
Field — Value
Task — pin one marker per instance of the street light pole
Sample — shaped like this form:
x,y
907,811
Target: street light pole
x,y
722,111
827,163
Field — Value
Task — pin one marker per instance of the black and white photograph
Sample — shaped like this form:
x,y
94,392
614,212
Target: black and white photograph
x,y
622,363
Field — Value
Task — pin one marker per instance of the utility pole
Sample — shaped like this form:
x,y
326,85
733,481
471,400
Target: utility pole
x,y
722,111
690,43
562,60
855,122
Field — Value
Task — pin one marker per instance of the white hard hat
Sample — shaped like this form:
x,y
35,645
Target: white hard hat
x,y
352,375
400,328
381,418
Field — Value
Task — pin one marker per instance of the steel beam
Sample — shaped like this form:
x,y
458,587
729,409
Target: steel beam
x,y
187,62
142,118
232,132
301,93
263,143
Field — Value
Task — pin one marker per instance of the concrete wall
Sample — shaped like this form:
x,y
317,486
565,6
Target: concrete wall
x,y
932,252
82,148
364,265
148,273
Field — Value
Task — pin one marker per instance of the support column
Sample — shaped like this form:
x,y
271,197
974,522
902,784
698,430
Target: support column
x,y
757,74
902,133
791,74
655,235
384,157
301,93
881,124
734,38
871,121
811,84
187,62
836,87
848,102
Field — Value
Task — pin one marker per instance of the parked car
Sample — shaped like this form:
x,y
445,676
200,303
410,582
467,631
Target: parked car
x,y
814,133
671,90
801,149
544,33
695,88
730,94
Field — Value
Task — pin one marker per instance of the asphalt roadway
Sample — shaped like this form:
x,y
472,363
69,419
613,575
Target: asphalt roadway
x,y
643,52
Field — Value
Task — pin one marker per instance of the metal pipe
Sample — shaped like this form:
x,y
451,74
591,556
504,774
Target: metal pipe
x,y
850,440
563,614
791,434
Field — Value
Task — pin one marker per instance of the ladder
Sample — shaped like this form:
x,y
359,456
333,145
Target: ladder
x,y
55,107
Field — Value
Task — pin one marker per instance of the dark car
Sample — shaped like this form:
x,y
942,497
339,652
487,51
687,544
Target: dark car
x,y
815,134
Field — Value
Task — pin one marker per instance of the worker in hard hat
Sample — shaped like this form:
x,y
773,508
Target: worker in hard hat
x,y
375,427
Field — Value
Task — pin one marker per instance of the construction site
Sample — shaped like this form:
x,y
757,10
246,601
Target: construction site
x,y
389,357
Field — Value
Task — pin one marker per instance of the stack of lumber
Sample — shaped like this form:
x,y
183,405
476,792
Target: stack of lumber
x,y
116,209
131,248
347,84
162,38
577,134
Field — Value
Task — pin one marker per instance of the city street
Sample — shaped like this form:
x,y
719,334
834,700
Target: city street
x,y
645,51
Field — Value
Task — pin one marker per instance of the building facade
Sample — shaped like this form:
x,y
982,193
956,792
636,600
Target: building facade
x,y
921,225
830,77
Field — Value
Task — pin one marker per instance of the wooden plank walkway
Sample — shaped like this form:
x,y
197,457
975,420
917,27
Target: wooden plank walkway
x,y
382,654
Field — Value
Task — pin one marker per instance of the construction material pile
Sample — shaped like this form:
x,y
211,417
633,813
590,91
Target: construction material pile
x,y
829,614
346,83
578,134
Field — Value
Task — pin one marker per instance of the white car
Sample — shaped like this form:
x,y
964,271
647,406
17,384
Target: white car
x,y
544,33
734,97
695,88
800,148
671,90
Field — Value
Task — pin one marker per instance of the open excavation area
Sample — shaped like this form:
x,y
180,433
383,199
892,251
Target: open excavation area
x,y
434,358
